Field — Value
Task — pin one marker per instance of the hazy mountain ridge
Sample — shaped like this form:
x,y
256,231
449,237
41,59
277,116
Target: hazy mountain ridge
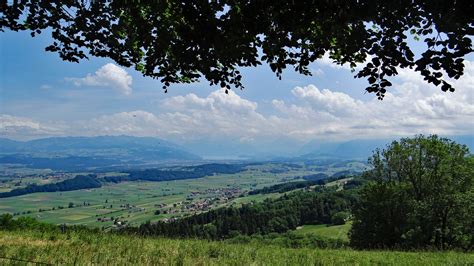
x,y
115,149
147,149
360,149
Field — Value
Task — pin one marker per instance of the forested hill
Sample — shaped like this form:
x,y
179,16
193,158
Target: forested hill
x,y
188,172
277,215
91,181
78,182
289,186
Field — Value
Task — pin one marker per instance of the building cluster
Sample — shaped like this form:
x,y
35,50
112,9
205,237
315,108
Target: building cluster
x,y
131,208
200,201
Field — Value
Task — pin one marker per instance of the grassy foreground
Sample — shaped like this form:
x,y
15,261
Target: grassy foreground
x,y
85,248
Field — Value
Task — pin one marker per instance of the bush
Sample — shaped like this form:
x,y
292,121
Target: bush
x,y
340,218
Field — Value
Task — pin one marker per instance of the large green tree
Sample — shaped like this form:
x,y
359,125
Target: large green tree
x,y
421,195
182,41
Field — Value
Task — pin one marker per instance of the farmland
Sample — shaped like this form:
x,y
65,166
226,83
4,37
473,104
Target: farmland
x,y
135,202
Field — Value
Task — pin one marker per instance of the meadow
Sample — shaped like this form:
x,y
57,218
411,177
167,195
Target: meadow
x,y
143,197
325,231
84,248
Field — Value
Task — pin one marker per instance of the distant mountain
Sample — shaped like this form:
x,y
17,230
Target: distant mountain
x,y
239,149
359,149
354,149
104,149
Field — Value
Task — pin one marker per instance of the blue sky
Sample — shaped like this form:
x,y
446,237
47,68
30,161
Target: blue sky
x,y
41,95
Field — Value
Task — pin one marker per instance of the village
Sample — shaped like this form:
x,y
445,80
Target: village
x,y
199,201
195,202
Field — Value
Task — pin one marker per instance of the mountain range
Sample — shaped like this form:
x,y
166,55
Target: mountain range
x,y
102,151
92,151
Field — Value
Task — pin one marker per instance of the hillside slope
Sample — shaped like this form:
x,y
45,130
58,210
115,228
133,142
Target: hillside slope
x,y
99,248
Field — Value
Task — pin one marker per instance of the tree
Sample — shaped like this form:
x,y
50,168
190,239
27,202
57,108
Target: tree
x,y
421,194
339,218
182,41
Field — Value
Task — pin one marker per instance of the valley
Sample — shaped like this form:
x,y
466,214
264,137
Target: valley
x,y
134,202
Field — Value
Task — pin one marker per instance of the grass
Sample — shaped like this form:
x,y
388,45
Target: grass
x,y
86,248
105,202
334,232
142,194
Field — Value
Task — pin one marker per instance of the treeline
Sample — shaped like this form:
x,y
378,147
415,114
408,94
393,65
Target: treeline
x,y
69,163
285,187
189,172
314,177
78,182
270,216
335,176
290,239
8,223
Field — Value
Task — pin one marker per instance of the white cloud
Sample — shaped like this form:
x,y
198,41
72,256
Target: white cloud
x,y
25,128
45,87
326,61
109,75
410,107
333,102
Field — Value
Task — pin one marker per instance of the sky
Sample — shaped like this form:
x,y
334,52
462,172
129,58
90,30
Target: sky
x,y
43,96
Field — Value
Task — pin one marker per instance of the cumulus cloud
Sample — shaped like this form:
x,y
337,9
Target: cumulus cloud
x,y
218,114
410,107
109,75
25,128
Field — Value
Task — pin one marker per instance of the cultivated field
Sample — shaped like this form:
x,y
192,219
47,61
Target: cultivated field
x,y
136,202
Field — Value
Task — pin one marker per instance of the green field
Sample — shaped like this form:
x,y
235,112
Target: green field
x,y
108,201
143,198
84,248
334,231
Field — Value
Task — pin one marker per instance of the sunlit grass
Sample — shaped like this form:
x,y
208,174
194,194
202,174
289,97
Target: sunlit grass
x,y
87,248
334,231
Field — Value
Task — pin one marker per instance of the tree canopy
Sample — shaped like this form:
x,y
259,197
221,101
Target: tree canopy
x,y
421,195
183,41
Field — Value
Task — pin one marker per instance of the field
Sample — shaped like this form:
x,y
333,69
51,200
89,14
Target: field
x,y
108,201
334,232
85,248
136,202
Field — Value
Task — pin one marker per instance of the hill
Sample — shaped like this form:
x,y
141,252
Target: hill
x,y
84,152
83,247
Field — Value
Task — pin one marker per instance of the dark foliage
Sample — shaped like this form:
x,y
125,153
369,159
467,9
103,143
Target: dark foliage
x,y
314,177
182,41
343,173
190,172
78,182
421,195
8,223
69,163
354,183
289,240
277,216
283,187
